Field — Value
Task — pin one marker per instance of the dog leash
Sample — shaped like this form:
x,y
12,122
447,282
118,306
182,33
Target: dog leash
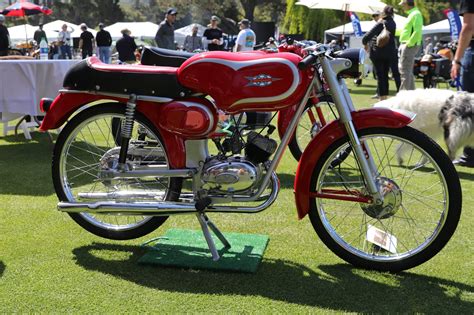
x,y
459,86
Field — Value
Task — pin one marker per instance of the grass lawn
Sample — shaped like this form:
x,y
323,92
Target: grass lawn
x,y
50,264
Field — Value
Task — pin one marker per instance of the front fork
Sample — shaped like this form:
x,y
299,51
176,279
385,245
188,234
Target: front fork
x,y
345,108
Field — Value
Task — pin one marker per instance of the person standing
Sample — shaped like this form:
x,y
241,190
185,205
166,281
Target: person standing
x,y
381,56
212,37
86,42
410,44
193,42
126,47
246,39
463,64
165,35
4,37
103,41
64,42
40,34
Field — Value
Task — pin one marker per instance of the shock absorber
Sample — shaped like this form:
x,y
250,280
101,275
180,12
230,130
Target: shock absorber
x,y
127,129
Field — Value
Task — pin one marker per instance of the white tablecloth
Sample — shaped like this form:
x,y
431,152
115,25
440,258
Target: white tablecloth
x,y
24,82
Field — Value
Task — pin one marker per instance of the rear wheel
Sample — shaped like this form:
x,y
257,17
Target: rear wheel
x,y
86,147
421,209
310,124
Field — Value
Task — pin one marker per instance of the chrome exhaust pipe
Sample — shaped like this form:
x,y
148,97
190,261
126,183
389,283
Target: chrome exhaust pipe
x,y
164,208
137,208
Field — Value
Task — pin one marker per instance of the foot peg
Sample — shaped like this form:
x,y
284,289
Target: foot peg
x,y
205,225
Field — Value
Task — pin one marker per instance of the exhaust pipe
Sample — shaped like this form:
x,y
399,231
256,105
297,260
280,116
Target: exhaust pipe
x,y
165,208
137,208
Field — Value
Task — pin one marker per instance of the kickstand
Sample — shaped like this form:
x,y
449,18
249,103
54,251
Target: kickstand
x,y
205,225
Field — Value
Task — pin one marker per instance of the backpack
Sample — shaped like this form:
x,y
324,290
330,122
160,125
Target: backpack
x,y
383,38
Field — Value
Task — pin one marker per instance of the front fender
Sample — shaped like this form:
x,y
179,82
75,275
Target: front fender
x,y
66,104
368,118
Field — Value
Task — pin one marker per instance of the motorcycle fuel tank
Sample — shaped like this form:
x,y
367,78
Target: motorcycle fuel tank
x,y
250,81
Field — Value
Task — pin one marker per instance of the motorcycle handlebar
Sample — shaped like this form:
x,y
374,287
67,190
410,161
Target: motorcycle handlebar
x,y
307,61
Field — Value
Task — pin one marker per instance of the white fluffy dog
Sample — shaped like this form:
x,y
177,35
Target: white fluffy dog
x,y
439,113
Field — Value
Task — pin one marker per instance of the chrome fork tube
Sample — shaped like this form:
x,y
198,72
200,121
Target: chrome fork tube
x,y
345,106
284,143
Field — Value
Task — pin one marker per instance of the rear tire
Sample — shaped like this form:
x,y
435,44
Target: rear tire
x,y
304,130
85,144
426,193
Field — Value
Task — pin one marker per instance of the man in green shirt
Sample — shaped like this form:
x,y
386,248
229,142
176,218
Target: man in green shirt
x,y
410,44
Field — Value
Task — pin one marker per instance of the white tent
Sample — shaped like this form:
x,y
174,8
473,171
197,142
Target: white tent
x,y
21,32
438,27
52,29
365,26
140,30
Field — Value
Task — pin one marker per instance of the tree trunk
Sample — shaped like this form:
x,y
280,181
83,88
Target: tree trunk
x,y
249,8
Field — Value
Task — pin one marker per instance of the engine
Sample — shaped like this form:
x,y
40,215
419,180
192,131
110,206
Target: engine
x,y
232,175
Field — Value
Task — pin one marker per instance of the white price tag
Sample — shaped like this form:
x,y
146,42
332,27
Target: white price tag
x,y
380,238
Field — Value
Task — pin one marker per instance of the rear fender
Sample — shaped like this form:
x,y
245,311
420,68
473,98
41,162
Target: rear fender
x,y
66,104
369,118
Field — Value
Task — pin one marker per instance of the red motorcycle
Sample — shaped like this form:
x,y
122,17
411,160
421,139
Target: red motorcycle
x,y
123,183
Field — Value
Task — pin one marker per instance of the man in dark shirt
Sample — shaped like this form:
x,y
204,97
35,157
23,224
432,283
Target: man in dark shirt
x,y
104,41
126,47
40,34
463,64
86,42
165,36
212,37
4,37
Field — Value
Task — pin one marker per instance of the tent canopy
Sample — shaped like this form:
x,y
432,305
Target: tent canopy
x,y
141,30
438,27
365,26
21,32
52,29
181,33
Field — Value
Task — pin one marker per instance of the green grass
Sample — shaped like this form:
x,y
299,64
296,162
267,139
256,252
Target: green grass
x,y
50,264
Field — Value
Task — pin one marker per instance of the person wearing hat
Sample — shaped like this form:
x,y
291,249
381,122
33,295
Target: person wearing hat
x,y
126,47
246,39
4,37
463,65
165,36
86,42
410,44
40,34
103,41
212,37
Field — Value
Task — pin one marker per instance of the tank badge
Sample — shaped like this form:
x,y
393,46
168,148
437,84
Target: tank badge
x,y
261,80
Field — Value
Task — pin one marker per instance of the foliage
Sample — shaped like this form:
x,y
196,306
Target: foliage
x,y
311,23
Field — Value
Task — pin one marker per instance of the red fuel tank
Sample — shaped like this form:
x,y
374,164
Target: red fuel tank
x,y
250,81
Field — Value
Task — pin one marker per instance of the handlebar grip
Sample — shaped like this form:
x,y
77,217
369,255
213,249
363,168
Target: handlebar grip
x,y
307,61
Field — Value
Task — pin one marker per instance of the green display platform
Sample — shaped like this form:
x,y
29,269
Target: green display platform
x,y
188,249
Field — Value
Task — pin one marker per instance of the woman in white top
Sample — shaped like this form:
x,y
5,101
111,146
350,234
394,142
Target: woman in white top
x,y
64,40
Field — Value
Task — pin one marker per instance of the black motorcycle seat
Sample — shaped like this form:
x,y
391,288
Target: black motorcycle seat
x,y
154,56
93,75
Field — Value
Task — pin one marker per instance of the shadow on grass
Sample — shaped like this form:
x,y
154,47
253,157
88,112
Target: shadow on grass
x,y
464,175
2,268
334,287
25,167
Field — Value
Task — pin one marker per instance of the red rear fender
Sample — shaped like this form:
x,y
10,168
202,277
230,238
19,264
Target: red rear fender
x,y
369,118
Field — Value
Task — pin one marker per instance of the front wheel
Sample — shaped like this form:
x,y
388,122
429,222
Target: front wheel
x,y
88,147
421,209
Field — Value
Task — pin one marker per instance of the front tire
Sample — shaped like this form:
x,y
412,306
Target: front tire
x,y
424,194
87,145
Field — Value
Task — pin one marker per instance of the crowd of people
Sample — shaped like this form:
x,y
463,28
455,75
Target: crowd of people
x,y
211,40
